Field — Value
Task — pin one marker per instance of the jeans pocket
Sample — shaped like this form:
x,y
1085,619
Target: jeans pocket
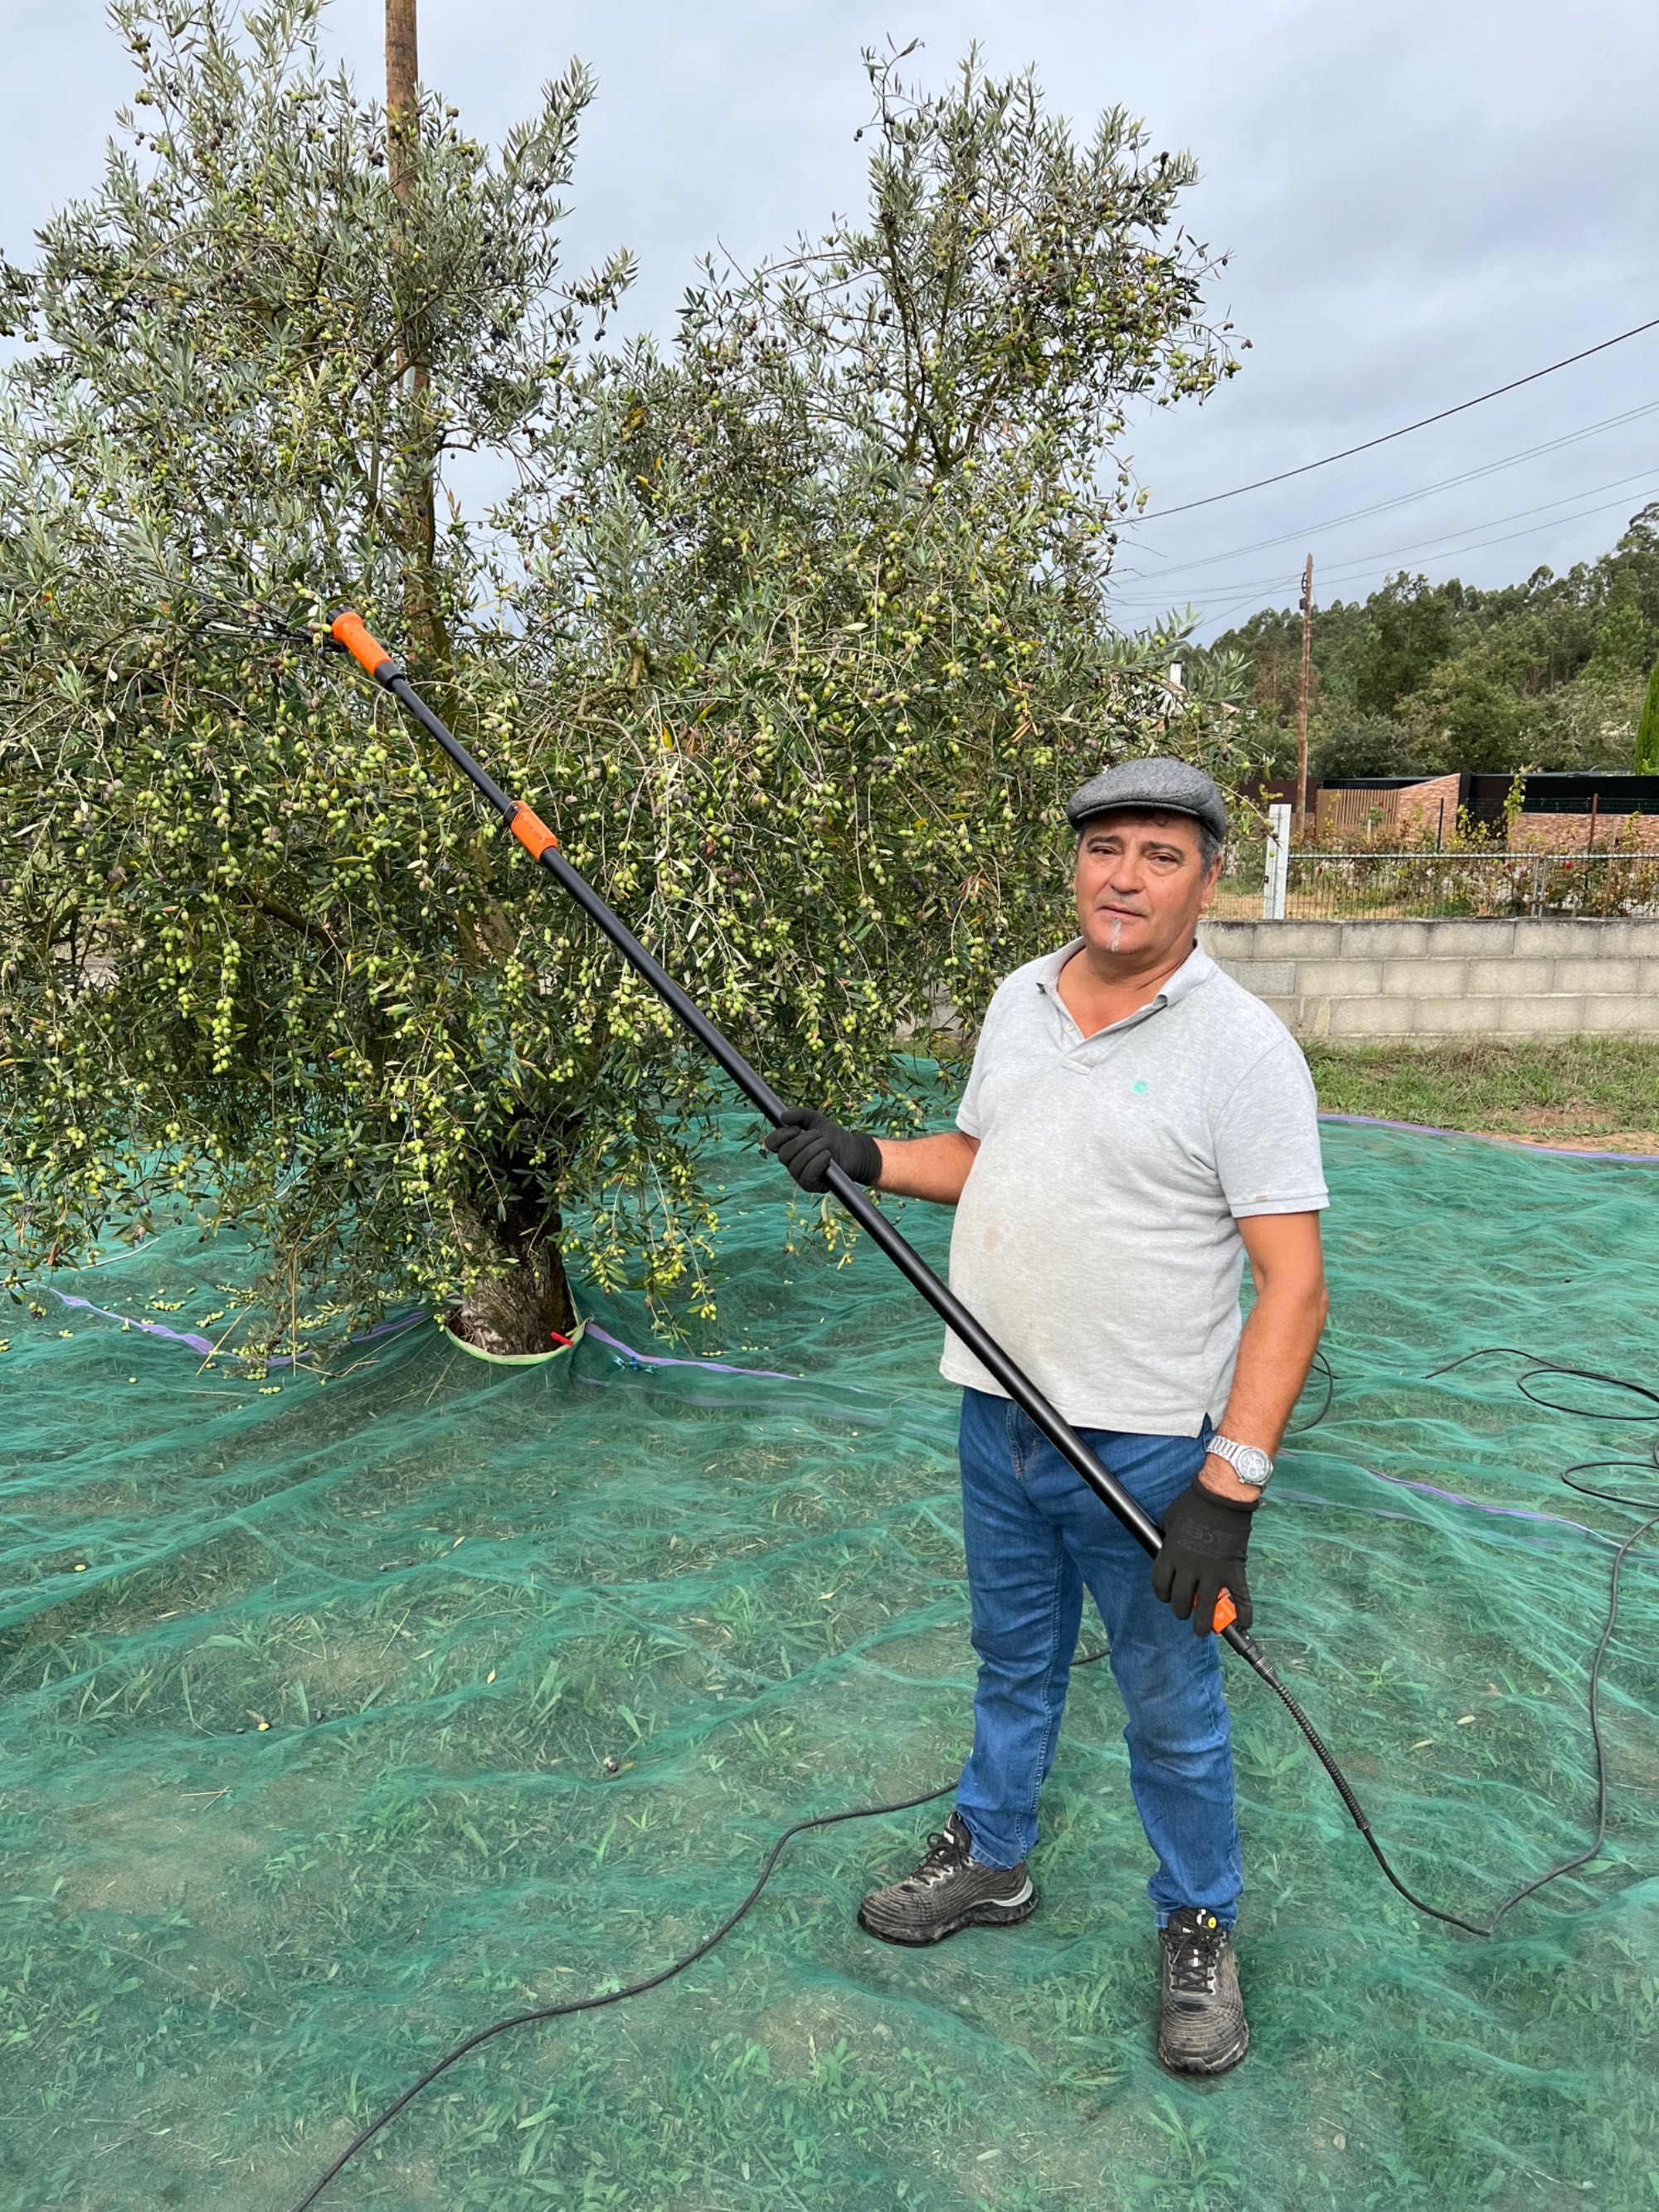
x,y
1159,1479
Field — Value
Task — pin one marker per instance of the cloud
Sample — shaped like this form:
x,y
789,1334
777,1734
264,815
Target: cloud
x,y
1419,200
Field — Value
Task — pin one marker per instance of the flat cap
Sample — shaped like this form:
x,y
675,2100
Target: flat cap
x,y
1163,786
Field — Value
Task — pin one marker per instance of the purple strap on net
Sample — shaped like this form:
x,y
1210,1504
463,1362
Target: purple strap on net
x,y
205,1344
1482,1505
662,1360
1482,1137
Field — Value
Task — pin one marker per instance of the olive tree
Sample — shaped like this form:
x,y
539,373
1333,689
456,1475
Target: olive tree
x,y
799,629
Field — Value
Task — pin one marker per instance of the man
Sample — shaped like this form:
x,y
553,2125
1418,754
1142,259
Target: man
x,y
1134,1125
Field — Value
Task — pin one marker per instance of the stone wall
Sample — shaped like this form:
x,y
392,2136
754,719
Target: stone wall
x,y
1435,979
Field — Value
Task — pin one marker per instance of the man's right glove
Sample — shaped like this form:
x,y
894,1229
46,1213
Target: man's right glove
x,y
1204,1538
806,1142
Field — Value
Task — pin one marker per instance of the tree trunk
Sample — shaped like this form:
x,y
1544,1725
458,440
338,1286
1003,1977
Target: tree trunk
x,y
520,1295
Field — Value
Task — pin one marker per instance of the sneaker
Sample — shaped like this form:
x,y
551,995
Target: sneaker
x,y
948,1891
1201,2026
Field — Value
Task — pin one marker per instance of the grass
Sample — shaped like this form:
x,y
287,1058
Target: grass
x,y
1573,1091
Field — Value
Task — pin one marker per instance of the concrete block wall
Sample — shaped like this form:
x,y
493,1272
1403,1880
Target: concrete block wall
x,y
1434,979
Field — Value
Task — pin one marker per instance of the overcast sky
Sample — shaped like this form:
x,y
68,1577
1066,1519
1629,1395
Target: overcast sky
x,y
1421,202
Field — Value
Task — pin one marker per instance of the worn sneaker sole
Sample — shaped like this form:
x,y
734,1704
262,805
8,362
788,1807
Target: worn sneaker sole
x,y
988,1913
1223,2064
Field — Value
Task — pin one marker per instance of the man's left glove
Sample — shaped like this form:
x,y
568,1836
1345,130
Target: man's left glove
x,y
806,1142
1204,1539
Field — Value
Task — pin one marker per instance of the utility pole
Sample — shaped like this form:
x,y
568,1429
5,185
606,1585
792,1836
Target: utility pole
x,y
1302,699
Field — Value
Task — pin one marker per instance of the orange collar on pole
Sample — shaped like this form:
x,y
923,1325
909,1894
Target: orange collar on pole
x,y
531,832
351,631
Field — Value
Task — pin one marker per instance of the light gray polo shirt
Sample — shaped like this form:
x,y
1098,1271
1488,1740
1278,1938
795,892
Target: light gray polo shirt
x,y
1096,1238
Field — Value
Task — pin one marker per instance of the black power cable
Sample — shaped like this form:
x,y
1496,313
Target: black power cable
x,y
1648,1506
1538,1369
635,1989
613,1997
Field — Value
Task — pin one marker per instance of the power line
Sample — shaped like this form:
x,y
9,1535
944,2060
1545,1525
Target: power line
x,y
1400,499
1452,553
1366,563
1462,407
1456,552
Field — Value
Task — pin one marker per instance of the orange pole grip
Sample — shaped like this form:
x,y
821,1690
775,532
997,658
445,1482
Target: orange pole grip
x,y
348,629
1225,1612
531,832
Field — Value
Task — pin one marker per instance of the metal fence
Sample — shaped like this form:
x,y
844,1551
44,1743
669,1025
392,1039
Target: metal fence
x,y
1274,884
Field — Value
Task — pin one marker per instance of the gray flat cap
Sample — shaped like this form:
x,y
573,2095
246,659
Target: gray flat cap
x,y
1167,787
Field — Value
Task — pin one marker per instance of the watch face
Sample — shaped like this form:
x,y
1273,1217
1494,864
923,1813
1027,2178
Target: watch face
x,y
1252,1465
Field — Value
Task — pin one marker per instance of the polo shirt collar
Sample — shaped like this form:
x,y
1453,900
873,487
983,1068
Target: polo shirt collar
x,y
1197,968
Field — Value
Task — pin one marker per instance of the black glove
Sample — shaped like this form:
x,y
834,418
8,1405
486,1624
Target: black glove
x,y
1204,1539
806,1142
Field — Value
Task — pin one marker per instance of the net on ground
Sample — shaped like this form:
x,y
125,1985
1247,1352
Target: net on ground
x,y
340,1718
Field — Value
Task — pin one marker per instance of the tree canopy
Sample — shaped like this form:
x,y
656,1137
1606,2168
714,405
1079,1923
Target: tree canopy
x,y
798,629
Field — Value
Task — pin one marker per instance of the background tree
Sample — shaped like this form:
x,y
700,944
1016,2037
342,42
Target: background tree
x,y
1418,678
1647,733
802,626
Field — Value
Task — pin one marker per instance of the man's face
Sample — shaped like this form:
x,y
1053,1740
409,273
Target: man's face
x,y
1141,884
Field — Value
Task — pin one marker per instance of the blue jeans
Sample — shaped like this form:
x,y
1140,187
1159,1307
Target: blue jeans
x,y
1037,1536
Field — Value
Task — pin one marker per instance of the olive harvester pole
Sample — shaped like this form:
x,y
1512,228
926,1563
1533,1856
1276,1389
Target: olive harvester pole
x,y
348,631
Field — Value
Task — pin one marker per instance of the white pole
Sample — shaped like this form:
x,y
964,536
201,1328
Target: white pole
x,y
1277,878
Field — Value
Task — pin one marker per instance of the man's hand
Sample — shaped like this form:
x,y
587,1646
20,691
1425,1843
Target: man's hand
x,y
1204,1539
806,1142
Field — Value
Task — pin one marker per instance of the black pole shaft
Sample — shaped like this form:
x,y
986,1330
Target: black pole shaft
x,y
869,1217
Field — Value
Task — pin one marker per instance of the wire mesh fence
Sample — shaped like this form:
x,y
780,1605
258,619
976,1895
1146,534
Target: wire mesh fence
x,y
1354,886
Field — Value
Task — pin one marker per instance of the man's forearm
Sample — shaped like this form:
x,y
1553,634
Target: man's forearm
x,y
934,1167
1281,1338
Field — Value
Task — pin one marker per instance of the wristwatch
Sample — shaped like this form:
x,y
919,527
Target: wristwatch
x,y
1247,1461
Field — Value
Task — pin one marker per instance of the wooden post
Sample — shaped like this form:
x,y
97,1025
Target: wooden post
x,y
403,72
417,469
1302,704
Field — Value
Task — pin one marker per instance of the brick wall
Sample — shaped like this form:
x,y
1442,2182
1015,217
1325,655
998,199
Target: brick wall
x,y
1570,833
1424,808
1414,811
1432,980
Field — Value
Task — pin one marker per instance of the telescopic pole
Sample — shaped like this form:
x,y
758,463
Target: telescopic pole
x,y
347,629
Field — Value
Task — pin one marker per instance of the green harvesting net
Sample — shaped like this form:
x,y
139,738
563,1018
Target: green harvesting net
x,y
340,1719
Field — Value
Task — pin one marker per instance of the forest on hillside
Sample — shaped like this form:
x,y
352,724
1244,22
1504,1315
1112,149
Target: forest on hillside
x,y
1424,677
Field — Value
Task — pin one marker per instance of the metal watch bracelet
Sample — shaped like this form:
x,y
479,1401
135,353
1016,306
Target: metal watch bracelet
x,y
1247,1461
